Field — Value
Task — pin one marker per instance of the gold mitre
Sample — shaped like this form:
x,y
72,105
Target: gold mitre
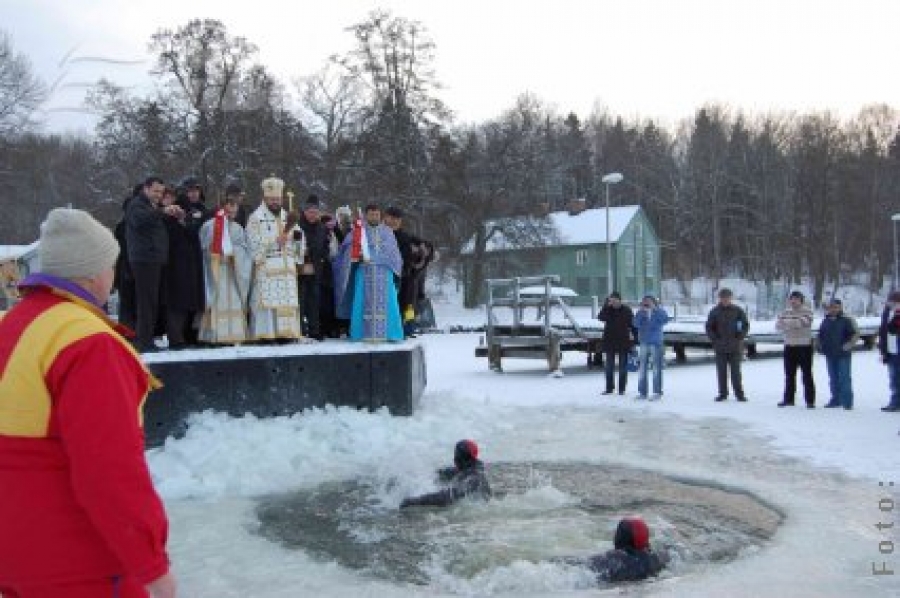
x,y
272,187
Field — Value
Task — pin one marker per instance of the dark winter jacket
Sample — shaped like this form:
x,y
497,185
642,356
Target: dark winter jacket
x,y
889,332
626,564
618,330
124,276
727,327
195,216
145,232
185,288
837,335
182,279
416,254
316,243
469,481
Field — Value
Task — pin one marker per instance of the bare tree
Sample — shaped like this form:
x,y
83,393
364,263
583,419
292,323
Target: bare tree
x,y
393,61
332,105
21,92
204,63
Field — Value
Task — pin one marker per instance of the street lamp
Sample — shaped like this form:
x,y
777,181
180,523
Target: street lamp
x,y
611,179
894,219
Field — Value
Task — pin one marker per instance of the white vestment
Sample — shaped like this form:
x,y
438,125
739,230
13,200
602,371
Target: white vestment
x,y
274,300
226,276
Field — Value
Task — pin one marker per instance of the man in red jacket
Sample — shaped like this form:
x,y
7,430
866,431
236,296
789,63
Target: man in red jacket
x,y
78,512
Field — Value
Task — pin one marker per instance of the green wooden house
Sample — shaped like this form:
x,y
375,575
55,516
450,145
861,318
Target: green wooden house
x,y
574,247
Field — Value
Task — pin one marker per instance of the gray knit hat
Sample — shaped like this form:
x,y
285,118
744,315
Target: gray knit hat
x,y
74,245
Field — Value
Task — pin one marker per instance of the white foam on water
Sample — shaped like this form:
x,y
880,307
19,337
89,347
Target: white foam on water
x,y
820,467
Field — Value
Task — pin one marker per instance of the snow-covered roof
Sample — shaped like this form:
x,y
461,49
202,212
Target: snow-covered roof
x,y
587,227
16,251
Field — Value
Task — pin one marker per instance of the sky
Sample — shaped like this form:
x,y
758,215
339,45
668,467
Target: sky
x,y
658,59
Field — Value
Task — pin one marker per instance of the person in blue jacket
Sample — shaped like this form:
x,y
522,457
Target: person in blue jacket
x,y
837,335
649,321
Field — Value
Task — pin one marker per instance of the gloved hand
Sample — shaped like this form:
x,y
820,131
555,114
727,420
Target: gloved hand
x,y
847,347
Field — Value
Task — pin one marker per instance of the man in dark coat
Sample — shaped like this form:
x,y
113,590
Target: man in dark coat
x,y
185,293
416,254
327,316
177,300
632,559
889,347
311,271
124,279
619,335
148,251
727,327
465,479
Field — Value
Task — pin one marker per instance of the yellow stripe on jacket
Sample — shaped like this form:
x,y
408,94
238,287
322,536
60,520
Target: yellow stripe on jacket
x,y
25,402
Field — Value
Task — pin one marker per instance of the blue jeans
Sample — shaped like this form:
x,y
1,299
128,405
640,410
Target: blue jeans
x,y
650,354
893,366
839,379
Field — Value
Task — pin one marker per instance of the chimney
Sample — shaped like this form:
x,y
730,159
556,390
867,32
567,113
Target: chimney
x,y
577,206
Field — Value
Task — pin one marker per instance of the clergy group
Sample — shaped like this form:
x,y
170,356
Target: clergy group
x,y
232,274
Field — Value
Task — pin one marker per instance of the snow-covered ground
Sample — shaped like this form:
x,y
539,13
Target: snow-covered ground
x,y
828,470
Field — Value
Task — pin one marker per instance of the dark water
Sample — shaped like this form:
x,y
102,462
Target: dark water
x,y
543,511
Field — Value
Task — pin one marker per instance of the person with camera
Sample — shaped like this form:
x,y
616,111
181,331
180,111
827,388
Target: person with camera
x,y
795,323
618,339
649,321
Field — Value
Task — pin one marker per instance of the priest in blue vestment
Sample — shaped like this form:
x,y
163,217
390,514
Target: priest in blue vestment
x,y
366,270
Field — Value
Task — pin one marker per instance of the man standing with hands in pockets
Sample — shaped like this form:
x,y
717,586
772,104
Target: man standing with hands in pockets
x,y
727,327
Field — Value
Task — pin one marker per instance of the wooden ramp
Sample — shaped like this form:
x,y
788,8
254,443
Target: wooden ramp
x,y
542,340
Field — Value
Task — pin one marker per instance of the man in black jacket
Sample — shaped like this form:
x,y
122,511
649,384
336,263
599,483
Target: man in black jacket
x,y
465,479
416,254
148,248
124,280
889,347
727,327
619,335
311,271
184,274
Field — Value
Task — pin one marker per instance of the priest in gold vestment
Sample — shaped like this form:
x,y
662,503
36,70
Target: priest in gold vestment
x,y
274,299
